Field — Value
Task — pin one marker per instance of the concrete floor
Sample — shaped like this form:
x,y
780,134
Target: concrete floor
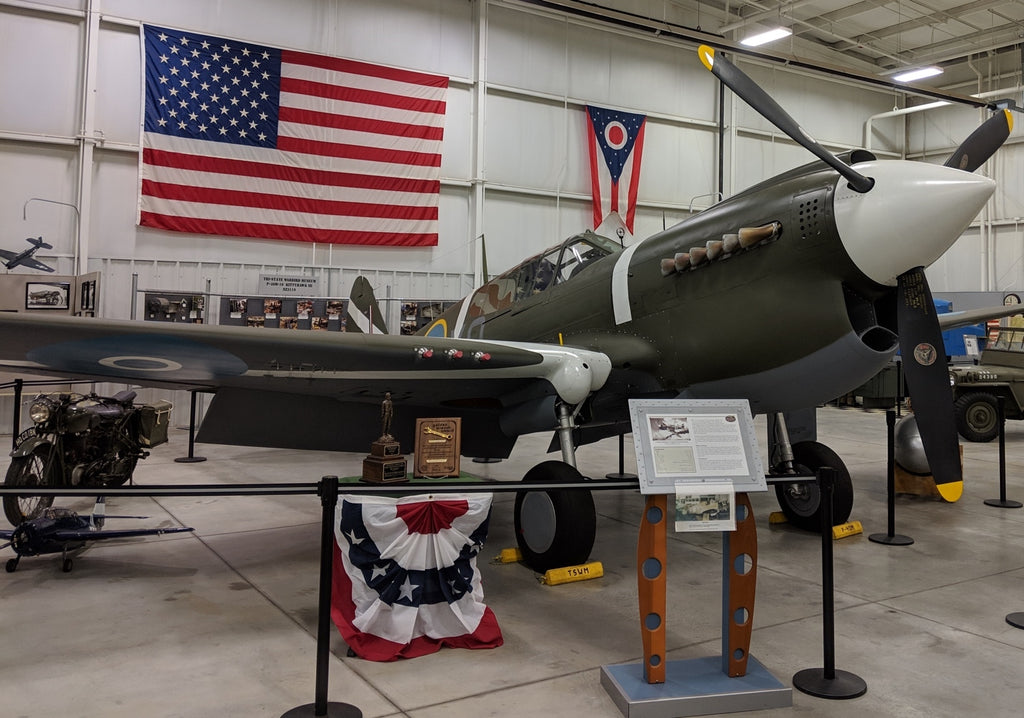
x,y
221,622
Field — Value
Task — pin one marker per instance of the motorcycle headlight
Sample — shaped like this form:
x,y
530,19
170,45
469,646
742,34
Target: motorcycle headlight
x,y
40,411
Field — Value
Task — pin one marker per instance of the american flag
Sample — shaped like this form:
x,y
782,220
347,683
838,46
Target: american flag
x,y
253,141
615,141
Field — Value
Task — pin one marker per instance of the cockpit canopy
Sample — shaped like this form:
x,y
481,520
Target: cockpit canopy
x,y
557,265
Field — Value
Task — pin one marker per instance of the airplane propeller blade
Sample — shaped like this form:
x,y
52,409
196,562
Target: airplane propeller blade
x,y
742,85
982,143
924,366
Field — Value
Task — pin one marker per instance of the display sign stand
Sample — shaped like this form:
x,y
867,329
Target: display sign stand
x,y
668,435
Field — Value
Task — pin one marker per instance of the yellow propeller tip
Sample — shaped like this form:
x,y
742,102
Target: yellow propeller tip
x,y
951,491
1009,119
706,55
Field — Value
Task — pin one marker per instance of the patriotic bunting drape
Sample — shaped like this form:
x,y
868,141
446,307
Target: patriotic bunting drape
x,y
406,581
241,139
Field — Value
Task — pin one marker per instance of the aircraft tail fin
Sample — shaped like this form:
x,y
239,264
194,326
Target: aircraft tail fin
x,y
364,314
38,242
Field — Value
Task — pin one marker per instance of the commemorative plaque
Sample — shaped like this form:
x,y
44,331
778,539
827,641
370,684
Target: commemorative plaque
x,y
385,463
438,442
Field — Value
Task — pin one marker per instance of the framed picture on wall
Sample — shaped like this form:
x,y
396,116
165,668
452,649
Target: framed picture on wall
x,y
47,295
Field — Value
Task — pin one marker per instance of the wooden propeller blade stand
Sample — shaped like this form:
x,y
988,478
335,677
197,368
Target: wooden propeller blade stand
x,y
739,576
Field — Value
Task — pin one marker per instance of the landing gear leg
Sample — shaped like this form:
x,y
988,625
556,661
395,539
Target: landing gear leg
x,y
800,501
556,528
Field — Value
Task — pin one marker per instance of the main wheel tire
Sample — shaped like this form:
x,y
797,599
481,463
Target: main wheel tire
x,y
801,501
28,470
977,416
554,528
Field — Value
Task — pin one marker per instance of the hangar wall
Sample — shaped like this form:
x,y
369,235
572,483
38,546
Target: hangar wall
x,y
514,168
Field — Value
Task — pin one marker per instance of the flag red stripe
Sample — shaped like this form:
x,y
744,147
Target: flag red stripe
x,y
355,67
200,225
358,152
360,124
238,198
634,178
361,96
595,180
287,173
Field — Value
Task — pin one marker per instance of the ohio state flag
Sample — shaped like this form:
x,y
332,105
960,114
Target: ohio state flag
x,y
615,141
405,580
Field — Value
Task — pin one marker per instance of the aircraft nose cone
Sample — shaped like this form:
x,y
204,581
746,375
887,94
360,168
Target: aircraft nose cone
x,y
914,213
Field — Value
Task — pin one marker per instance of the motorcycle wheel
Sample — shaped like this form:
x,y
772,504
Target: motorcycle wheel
x,y
28,470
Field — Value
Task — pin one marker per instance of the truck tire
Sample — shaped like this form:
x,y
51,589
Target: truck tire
x,y
977,416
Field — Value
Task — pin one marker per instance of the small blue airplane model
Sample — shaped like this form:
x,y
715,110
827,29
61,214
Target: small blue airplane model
x,y
25,259
60,530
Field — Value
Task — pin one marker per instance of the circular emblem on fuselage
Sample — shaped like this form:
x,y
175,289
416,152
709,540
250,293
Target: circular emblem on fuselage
x,y
925,354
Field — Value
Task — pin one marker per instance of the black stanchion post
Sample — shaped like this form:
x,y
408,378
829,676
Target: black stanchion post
x,y
622,463
321,707
19,384
191,458
828,682
1002,502
891,538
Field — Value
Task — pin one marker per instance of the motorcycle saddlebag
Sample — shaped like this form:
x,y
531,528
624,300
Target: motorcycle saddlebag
x,y
154,421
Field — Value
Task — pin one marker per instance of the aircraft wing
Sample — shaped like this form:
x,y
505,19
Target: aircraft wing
x,y
35,264
311,389
953,320
8,255
88,535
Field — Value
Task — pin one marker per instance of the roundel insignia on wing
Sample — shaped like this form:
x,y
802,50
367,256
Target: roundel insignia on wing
x,y
143,355
925,354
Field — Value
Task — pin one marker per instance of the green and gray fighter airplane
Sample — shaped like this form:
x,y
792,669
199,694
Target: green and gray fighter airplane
x,y
788,294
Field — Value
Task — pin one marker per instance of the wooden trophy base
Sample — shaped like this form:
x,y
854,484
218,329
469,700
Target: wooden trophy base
x,y
385,464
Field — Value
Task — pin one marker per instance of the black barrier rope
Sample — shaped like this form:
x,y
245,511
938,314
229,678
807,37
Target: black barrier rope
x,y
891,538
1002,502
828,682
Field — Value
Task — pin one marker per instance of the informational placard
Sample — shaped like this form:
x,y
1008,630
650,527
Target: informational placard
x,y
705,507
971,345
695,441
284,284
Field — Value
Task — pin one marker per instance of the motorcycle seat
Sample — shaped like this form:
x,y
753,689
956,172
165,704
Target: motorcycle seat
x,y
124,397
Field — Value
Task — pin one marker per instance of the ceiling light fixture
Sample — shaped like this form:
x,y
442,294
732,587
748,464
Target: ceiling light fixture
x,y
766,37
918,74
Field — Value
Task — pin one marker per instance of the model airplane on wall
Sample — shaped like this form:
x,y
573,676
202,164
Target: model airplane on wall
x,y
788,294
60,530
25,258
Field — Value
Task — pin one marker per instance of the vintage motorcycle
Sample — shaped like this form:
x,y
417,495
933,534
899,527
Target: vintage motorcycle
x,y
81,441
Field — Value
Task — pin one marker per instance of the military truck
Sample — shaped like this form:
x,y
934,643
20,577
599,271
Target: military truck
x,y
977,388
